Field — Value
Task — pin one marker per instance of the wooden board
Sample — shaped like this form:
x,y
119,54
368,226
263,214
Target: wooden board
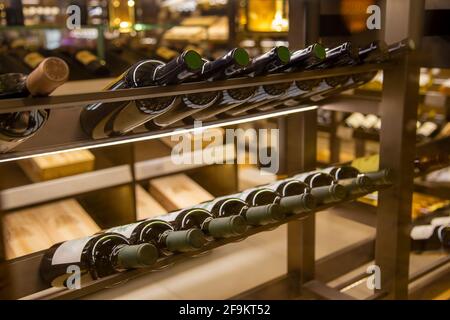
x,y
42,168
146,205
30,230
177,192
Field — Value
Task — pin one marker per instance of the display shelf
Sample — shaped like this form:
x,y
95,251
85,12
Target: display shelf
x,y
26,195
34,283
64,101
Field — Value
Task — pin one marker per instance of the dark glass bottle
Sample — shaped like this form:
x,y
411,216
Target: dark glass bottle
x,y
376,52
213,226
232,98
17,127
162,234
101,120
300,60
295,196
351,179
263,206
324,187
279,56
96,257
189,104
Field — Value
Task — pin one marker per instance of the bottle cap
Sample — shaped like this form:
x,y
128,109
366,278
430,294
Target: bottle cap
x,y
261,215
241,57
338,192
193,60
185,240
364,182
137,256
49,75
319,51
283,54
298,203
225,227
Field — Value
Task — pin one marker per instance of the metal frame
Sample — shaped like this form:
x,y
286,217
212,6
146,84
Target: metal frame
x,y
398,111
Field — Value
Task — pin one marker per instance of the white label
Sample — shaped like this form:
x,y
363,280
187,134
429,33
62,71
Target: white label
x,y
355,120
422,232
440,221
125,230
427,129
370,121
70,251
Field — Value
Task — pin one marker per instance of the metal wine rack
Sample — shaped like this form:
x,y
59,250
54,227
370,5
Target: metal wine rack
x,y
305,274
66,109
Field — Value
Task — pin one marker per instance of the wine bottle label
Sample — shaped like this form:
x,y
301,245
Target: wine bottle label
x,y
33,59
126,230
422,232
70,251
355,120
377,125
85,57
427,129
370,121
440,221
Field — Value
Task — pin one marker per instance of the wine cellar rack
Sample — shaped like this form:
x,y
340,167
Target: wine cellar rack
x,y
305,276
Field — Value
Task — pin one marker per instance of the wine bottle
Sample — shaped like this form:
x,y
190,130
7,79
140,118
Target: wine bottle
x,y
17,127
232,98
300,60
216,227
232,205
324,187
93,64
280,56
263,206
376,52
342,55
430,237
189,104
296,196
162,235
351,179
101,120
95,257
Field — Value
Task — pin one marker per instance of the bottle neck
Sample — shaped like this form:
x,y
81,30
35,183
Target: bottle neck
x,y
341,55
268,62
179,69
225,67
301,59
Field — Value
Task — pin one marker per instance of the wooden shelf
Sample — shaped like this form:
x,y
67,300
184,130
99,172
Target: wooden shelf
x,y
30,264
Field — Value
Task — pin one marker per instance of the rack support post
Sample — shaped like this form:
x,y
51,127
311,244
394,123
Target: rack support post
x,y
397,150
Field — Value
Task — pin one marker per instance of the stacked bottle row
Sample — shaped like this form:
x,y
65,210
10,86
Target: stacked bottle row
x,y
142,244
102,120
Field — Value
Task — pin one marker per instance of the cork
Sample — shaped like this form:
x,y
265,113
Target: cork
x,y
49,75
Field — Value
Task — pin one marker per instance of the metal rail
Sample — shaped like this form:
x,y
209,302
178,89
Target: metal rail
x,y
64,101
